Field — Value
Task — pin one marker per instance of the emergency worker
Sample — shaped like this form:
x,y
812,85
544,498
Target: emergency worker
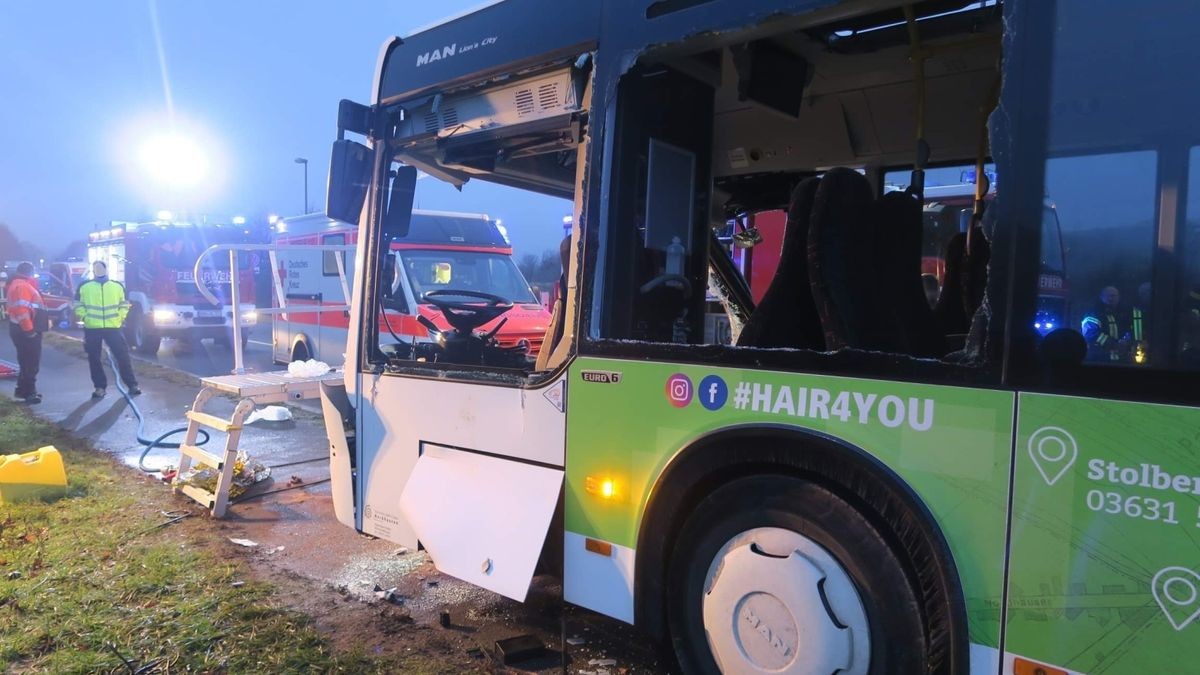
x,y
100,303
1102,328
26,321
1139,321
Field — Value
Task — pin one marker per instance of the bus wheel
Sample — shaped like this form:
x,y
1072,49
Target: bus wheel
x,y
776,574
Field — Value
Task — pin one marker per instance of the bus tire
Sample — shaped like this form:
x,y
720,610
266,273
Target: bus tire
x,y
776,573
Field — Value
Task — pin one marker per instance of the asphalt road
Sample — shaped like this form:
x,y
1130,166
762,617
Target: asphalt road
x,y
206,358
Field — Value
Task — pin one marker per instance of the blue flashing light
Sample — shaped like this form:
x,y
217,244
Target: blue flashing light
x,y
968,176
1044,323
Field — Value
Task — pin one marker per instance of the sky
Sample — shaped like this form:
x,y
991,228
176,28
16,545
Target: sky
x,y
256,84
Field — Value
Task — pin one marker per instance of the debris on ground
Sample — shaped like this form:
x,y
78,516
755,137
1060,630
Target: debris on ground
x,y
238,584
400,551
444,618
519,648
389,595
576,641
244,542
277,549
295,480
14,574
271,413
603,663
246,472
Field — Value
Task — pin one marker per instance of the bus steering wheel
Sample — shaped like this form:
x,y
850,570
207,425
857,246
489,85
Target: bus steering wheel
x,y
467,315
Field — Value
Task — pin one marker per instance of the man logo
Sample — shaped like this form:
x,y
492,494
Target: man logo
x,y
437,55
601,376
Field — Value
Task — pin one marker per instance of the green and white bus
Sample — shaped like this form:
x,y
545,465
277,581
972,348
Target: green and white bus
x,y
855,480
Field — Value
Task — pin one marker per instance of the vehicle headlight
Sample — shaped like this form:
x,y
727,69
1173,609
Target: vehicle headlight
x,y
250,317
164,316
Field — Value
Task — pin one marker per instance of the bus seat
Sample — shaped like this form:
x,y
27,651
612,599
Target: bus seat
x,y
841,261
898,232
787,315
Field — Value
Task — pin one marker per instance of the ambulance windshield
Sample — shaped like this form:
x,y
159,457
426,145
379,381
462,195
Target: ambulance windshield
x,y
494,273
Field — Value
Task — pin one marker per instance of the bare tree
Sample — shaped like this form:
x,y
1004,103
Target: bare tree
x,y
10,247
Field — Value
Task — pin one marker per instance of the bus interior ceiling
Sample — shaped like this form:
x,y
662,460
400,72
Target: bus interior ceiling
x,y
855,77
523,133
853,99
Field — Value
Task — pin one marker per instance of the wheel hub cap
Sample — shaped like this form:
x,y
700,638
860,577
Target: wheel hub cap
x,y
777,602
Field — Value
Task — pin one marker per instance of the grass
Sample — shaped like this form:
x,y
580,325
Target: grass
x,y
104,586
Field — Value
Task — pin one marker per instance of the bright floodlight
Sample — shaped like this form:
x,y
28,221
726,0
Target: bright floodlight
x,y
272,219
174,160
567,220
165,216
239,220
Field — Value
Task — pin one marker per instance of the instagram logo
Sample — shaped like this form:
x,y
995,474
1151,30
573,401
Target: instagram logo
x,y
679,390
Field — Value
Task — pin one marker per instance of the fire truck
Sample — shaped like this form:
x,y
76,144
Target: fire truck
x,y
465,250
155,261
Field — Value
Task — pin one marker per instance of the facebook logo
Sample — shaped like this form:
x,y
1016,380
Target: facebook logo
x,y
712,392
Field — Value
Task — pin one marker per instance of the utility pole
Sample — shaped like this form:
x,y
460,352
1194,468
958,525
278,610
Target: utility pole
x,y
301,160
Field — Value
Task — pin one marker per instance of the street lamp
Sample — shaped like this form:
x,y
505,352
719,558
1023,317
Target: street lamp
x,y
301,160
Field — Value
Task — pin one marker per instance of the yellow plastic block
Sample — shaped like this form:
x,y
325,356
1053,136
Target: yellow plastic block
x,y
33,475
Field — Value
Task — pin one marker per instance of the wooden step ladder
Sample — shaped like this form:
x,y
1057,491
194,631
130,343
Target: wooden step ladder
x,y
218,501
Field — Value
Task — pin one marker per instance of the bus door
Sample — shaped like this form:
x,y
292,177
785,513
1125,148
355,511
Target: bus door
x,y
460,443
1104,573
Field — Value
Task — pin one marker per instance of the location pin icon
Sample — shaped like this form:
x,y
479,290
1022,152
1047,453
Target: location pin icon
x,y
1053,451
1177,592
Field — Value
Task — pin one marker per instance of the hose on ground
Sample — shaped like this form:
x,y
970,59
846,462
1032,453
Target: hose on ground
x,y
141,425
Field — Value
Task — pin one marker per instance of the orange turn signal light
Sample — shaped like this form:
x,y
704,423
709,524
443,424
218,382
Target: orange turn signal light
x,y
604,487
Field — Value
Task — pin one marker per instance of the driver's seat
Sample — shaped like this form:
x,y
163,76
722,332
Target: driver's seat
x,y
557,326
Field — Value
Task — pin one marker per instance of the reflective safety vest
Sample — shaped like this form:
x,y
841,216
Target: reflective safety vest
x,y
101,305
23,302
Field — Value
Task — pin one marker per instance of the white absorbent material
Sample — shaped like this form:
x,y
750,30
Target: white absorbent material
x,y
309,368
271,413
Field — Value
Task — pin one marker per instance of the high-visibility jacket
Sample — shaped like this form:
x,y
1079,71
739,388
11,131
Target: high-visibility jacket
x,y
1102,331
23,302
101,304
